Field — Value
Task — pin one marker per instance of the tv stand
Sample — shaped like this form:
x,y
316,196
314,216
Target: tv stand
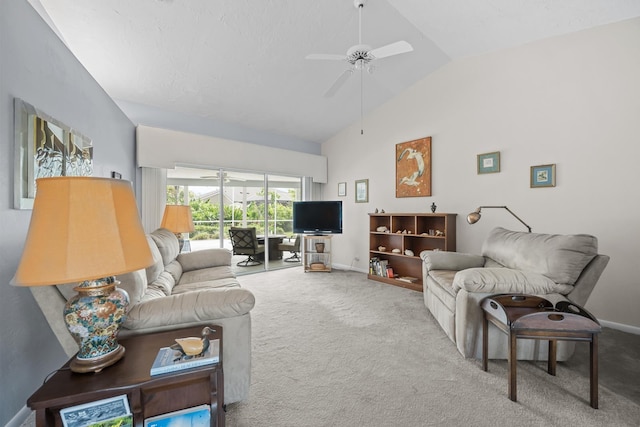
x,y
316,252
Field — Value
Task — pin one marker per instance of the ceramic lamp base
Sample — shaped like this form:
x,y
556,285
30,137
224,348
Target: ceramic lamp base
x,y
96,364
93,318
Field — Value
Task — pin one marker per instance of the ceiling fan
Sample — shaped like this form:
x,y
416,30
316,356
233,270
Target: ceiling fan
x,y
361,55
226,178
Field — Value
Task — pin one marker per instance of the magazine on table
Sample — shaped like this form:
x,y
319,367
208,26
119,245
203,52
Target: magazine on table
x,y
170,360
198,416
113,411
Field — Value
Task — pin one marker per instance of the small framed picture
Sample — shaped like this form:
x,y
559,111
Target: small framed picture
x,y
342,189
489,162
543,176
362,191
116,175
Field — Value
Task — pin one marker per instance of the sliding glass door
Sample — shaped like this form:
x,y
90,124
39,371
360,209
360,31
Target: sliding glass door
x,y
222,199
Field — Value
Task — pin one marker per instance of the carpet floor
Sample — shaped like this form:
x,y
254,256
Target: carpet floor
x,y
340,350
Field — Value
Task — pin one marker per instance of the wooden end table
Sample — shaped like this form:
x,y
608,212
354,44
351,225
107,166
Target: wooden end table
x,y
147,395
533,317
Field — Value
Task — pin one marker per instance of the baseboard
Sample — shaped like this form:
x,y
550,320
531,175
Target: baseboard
x,y
348,268
19,418
620,326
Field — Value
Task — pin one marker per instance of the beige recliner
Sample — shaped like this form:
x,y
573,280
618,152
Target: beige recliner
x,y
555,267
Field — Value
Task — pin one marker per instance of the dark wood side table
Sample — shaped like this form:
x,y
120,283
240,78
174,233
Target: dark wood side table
x,y
532,317
148,396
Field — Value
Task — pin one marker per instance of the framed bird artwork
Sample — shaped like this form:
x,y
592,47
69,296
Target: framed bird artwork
x,y
413,168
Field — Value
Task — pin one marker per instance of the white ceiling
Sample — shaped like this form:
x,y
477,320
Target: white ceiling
x,y
243,61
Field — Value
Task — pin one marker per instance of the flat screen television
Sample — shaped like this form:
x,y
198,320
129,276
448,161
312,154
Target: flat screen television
x,y
317,217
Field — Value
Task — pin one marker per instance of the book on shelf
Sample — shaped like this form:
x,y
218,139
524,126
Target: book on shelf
x,y
198,416
111,412
171,360
407,279
389,272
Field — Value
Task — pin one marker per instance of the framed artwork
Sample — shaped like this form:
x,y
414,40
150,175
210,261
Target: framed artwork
x,y
342,189
413,168
45,147
362,191
489,162
543,176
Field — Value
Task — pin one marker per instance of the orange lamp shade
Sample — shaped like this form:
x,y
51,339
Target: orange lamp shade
x,y
177,219
82,228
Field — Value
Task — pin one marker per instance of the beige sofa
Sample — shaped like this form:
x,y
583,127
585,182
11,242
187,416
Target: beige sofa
x,y
556,267
178,290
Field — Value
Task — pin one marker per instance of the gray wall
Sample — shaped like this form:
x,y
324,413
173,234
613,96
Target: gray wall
x,y
36,67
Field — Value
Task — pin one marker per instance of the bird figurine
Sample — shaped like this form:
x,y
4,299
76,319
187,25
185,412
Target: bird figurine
x,y
193,346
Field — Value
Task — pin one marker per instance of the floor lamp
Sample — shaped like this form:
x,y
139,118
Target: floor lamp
x,y
474,216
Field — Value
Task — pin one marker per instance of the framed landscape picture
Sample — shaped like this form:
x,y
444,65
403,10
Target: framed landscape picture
x,y
413,168
489,162
543,176
362,191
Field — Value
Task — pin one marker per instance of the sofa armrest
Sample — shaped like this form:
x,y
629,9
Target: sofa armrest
x,y
204,259
455,261
189,308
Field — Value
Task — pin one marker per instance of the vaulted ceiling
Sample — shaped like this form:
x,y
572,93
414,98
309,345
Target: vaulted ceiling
x,y
243,61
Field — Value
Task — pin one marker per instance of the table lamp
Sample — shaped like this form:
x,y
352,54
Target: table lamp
x,y
177,219
474,216
87,230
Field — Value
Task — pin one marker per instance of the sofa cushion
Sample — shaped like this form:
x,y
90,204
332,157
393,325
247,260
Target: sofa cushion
x,y
230,282
175,269
154,270
153,292
506,280
559,257
444,278
206,274
164,282
135,283
167,243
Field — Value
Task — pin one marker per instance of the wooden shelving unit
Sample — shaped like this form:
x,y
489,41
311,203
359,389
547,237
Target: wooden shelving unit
x,y
314,259
415,232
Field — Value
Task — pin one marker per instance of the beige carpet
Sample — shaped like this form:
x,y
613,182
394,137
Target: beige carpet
x,y
339,350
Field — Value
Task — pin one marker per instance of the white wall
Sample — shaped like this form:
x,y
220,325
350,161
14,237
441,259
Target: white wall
x,y
167,148
572,100
36,67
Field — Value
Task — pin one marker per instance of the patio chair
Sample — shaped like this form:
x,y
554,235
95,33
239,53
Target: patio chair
x,y
293,247
245,242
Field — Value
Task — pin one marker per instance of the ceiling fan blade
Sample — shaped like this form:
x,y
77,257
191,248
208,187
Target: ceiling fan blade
x,y
342,78
392,49
330,56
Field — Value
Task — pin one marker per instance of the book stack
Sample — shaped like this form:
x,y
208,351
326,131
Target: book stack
x,y
171,360
380,267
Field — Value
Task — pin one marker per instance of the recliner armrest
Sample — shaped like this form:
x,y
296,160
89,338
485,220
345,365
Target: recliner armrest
x,y
455,261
